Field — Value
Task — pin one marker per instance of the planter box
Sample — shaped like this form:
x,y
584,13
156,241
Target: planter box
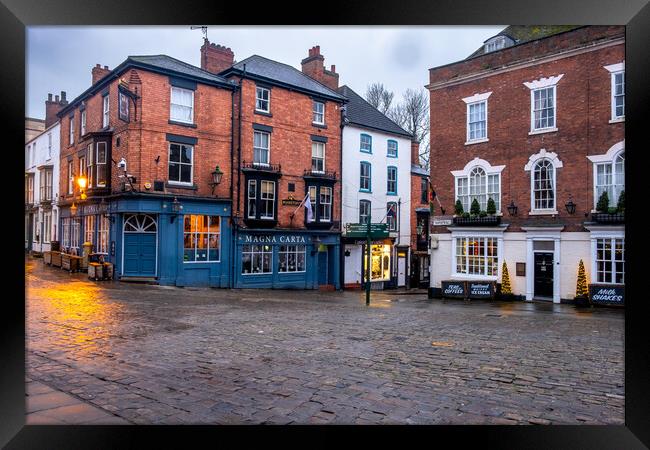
x,y
487,221
55,259
108,271
70,262
95,271
47,258
608,218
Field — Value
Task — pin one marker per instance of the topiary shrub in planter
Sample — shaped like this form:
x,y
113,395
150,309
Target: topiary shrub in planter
x,y
475,209
482,214
458,208
603,203
491,207
621,203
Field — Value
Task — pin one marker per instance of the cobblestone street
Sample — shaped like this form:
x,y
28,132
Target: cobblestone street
x,y
145,354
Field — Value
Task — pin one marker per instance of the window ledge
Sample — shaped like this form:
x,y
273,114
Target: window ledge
x,y
392,194
545,130
366,151
182,124
171,184
391,156
475,277
543,213
365,191
477,141
319,125
263,113
617,120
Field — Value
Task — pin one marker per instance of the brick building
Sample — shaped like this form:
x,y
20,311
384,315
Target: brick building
x,y
148,137
420,212
533,120
287,148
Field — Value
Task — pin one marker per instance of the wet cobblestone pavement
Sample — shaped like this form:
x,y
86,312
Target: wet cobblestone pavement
x,y
163,355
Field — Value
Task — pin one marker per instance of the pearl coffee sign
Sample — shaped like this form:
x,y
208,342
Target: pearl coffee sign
x,y
455,289
607,294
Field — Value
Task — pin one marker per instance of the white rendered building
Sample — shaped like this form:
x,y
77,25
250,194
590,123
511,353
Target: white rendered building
x,y
376,178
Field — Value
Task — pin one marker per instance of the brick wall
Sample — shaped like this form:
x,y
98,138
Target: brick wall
x,y
290,145
582,117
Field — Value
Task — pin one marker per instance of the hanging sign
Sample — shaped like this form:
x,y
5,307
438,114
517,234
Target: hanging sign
x,y
441,221
607,294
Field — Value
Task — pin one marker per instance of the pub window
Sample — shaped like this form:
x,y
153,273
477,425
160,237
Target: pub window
x,y
252,198
89,230
262,99
29,188
70,177
74,234
256,259
90,155
102,234
83,122
65,229
105,111
364,211
325,204
424,193
201,238
319,112
101,164
47,226
318,157
477,256
180,163
181,105
267,199
291,258
261,148
391,216
610,260
71,130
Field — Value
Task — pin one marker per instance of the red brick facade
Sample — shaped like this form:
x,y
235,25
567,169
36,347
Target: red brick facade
x,y
142,140
583,113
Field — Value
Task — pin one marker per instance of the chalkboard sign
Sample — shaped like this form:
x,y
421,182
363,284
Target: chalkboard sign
x,y
607,294
478,289
454,289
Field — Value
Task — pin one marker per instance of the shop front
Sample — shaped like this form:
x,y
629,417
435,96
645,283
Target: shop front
x,y
176,241
383,268
286,259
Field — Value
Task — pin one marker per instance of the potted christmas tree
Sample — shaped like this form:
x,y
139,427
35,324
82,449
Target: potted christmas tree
x,y
582,292
506,290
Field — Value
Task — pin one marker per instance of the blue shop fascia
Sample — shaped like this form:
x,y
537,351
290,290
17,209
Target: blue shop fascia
x,y
169,239
286,258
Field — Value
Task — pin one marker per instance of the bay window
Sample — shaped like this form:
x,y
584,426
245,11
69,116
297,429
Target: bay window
x,y
90,160
321,203
201,238
267,199
252,199
100,164
29,188
261,201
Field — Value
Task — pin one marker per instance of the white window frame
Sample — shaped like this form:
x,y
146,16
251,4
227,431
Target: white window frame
x,y
99,163
253,184
314,146
83,122
466,172
325,206
266,149
191,164
540,84
476,99
71,140
609,277
47,227
530,166
89,230
106,106
258,90
609,158
49,145
103,230
257,249
615,69
193,222
270,198
316,113
171,97
369,203
75,231
392,223
296,250
496,235
70,177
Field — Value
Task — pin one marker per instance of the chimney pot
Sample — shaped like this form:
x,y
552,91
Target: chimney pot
x,y
105,67
62,95
56,98
98,66
49,97
333,68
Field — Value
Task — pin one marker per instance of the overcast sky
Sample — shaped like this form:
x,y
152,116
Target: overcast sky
x,y
61,58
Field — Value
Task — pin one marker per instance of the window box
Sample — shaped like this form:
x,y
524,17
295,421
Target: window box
x,y
615,218
330,175
486,221
274,168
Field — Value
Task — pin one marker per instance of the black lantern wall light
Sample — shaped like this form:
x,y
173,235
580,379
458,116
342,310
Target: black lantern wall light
x,y
512,208
217,174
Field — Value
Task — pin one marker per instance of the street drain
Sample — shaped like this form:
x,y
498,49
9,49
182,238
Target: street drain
x,y
441,344
492,315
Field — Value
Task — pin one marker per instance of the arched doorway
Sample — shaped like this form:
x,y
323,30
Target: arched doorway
x,y
139,246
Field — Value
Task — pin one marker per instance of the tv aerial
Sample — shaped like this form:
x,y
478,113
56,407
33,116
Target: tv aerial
x,y
203,28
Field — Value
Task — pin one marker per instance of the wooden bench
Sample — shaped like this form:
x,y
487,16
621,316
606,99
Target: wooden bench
x,y
70,262
55,259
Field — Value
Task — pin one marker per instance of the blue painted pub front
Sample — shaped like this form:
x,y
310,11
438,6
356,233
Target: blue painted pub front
x,y
286,259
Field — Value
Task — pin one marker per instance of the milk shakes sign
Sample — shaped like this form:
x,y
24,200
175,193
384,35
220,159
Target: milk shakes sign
x,y
267,239
607,294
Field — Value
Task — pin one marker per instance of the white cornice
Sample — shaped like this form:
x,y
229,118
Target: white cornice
x,y
543,82
489,169
477,97
615,67
609,156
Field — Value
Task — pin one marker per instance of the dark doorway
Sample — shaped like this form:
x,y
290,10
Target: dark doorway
x,y
30,231
544,275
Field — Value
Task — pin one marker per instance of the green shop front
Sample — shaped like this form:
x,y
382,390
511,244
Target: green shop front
x,y
286,259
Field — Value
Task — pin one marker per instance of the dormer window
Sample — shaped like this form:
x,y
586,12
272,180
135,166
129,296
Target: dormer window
x,y
497,43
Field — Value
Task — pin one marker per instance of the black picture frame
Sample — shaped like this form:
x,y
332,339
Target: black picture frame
x,y
15,15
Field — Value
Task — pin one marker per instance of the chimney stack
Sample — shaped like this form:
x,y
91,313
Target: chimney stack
x,y
99,72
52,107
216,58
415,153
313,66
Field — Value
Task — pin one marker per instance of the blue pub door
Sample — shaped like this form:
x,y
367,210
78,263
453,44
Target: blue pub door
x,y
322,268
139,246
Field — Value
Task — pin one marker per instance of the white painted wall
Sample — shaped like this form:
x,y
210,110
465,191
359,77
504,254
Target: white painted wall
x,y
38,154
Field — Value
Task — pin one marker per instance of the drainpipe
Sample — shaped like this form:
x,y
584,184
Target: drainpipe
x,y
241,94
341,245
232,179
